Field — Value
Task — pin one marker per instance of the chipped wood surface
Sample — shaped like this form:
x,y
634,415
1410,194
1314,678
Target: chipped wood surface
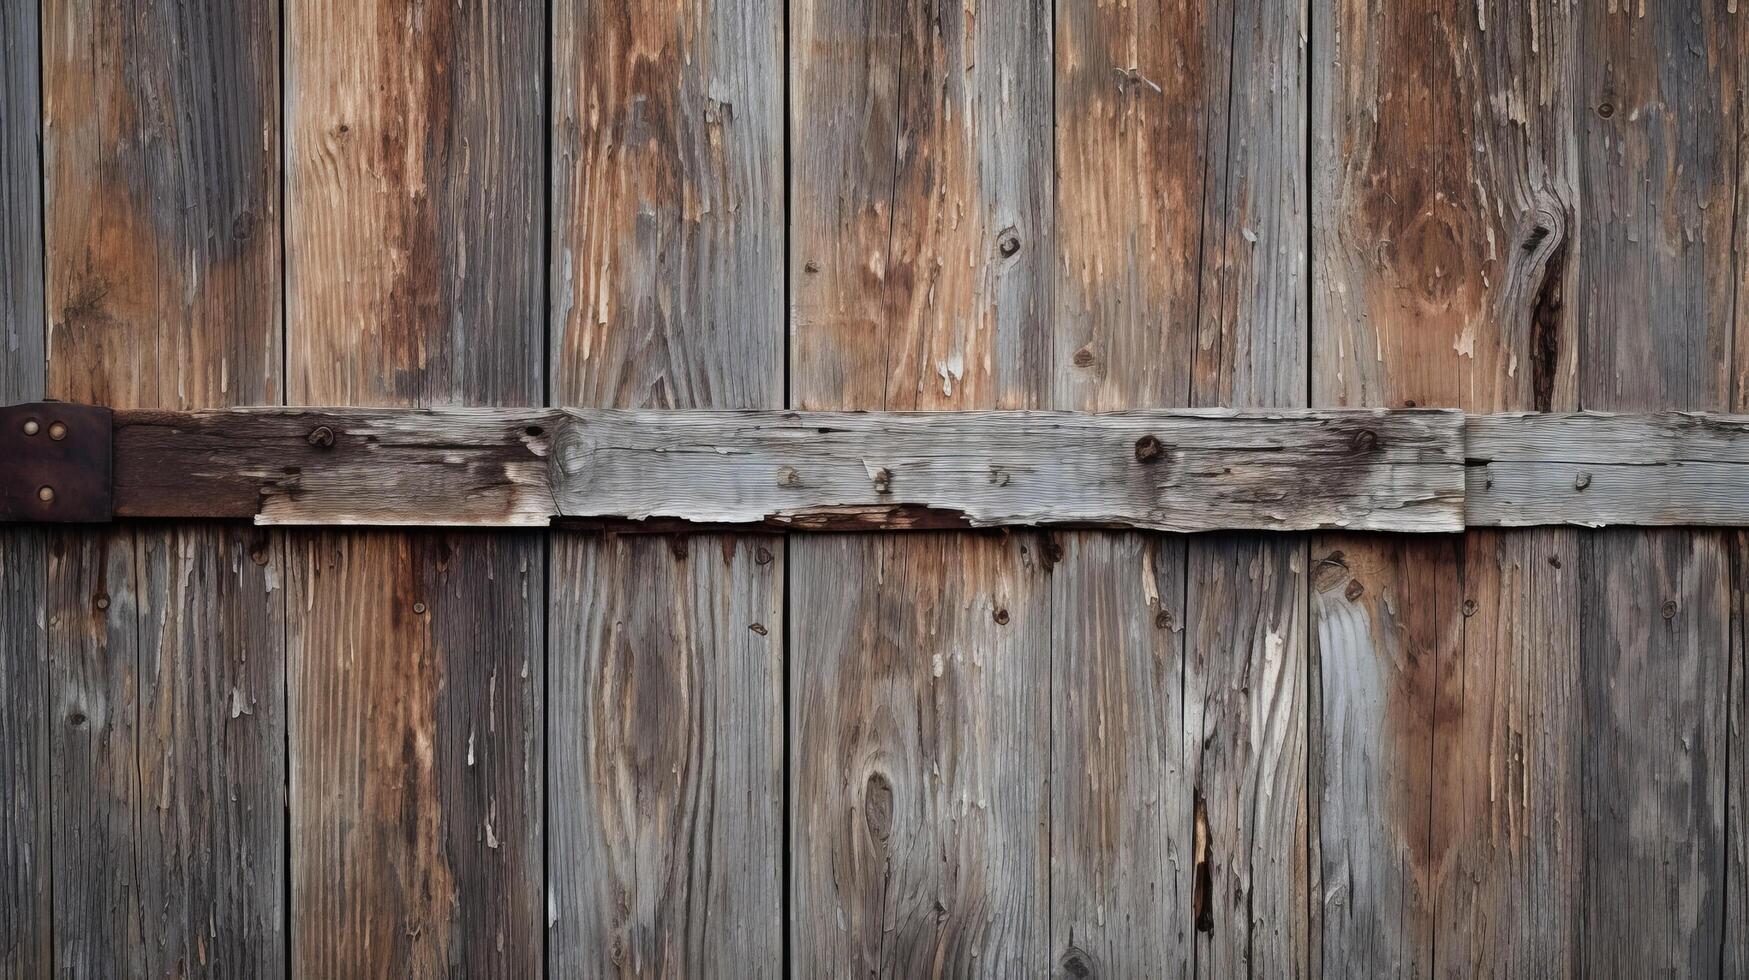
x,y
1184,471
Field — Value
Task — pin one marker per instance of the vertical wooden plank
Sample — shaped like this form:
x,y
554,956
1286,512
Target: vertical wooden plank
x,y
1444,221
1653,765
1657,109
920,250
1120,787
415,277
921,233
919,752
666,718
1508,749
1246,641
1736,946
161,150
416,753
25,908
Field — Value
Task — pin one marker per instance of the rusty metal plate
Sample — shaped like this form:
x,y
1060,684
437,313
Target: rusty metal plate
x,y
55,463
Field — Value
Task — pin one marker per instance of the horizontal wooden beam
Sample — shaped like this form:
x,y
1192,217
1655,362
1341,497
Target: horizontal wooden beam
x,y
1414,470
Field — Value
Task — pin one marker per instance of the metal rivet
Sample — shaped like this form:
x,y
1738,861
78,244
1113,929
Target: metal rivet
x,y
419,607
57,431
30,427
45,494
103,602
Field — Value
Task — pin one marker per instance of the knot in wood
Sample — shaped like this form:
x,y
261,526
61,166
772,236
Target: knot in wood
x,y
1008,243
1001,617
1606,109
1149,450
1669,609
1582,481
1469,607
1365,441
321,437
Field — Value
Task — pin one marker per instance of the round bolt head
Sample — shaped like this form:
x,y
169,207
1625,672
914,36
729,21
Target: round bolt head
x,y
45,494
419,607
30,427
57,431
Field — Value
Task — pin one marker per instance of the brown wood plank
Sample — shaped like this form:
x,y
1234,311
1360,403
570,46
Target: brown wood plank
x,y
1736,944
26,911
161,145
1442,230
667,292
416,753
921,258
921,726
415,277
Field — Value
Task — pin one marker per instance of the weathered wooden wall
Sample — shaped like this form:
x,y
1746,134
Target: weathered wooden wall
x,y
230,750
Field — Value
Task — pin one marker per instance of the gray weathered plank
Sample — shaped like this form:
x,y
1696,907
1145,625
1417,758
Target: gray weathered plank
x,y
921,731
161,229
1172,470
25,907
667,279
415,276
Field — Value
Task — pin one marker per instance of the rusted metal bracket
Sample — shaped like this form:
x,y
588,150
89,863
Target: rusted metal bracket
x,y
56,463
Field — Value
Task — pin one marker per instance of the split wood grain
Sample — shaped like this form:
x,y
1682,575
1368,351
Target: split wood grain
x,y
666,785
26,906
161,187
415,277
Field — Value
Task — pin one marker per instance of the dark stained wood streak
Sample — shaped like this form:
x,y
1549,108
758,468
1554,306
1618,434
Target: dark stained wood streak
x,y
415,277
161,227
26,911
666,272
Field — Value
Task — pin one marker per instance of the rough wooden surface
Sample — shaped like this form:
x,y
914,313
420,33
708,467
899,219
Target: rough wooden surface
x,y
26,911
666,750
415,697
667,291
1184,471
161,225
1594,468
920,749
414,277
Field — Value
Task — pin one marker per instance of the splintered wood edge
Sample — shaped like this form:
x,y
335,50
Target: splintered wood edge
x,y
1420,470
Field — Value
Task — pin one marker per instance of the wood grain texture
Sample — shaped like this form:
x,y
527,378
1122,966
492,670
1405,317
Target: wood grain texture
x,y
1508,747
26,911
1182,470
416,753
668,204
667,292
666,750
919,749
921,236
414,203
161,229
1736,944
161,157
1121,870
1595,468
1658,112
415,277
